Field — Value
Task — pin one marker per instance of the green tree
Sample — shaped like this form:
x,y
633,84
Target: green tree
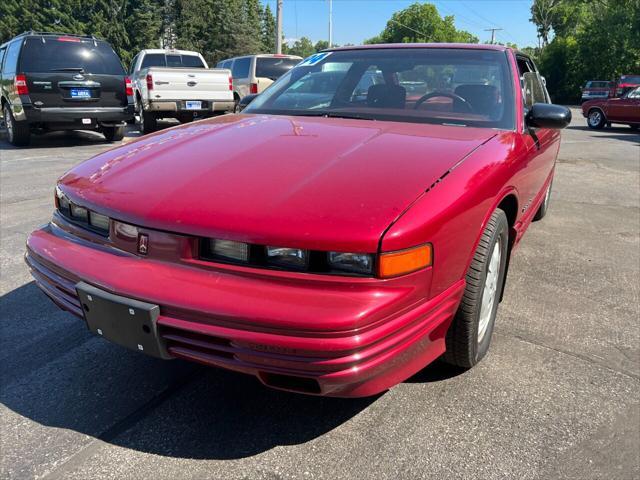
x,y
321,45
302,47
421,23
268,30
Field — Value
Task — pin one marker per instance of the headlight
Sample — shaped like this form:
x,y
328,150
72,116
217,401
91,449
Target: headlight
x,y
101,222
79,213
62,201
227,250
287,257
351,262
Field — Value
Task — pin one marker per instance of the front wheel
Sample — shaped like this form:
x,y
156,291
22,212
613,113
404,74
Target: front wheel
x,y
596,119
469,335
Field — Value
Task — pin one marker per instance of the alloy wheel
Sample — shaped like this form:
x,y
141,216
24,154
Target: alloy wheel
x,y
490,290
8,124
595,118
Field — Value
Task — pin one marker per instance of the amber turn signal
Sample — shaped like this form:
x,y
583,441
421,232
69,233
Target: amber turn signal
x,y
393,264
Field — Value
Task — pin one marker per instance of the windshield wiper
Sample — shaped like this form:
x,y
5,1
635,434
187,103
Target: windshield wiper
x,y
68,69
321,113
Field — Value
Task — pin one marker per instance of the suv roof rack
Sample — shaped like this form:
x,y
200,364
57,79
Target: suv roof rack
x,y
34,32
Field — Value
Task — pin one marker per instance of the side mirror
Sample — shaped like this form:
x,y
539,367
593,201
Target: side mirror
x,y
548,115
246,100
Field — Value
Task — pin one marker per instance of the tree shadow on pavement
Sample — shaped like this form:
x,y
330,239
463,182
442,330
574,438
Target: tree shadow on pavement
x,y
54,372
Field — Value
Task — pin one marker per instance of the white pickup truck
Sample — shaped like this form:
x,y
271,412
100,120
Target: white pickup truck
x,y
177,84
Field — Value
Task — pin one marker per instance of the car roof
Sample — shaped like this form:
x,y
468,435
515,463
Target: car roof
x,y
465,46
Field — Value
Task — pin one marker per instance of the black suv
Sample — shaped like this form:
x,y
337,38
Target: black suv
x,y
57,81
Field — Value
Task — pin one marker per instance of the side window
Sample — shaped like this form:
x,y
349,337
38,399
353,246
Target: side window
x,y
227,64
241,67
11,60
220,65
533,89
2,52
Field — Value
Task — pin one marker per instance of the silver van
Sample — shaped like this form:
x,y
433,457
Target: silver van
x,y
254,73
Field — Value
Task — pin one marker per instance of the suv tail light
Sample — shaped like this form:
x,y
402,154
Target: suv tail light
x,y
253,88
149,82
21,84
128,87
230,82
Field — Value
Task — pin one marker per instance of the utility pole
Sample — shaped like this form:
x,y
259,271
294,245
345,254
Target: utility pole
x,y
279,27
493,33
330,23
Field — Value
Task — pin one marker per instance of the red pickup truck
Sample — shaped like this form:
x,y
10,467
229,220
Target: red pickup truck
x,y
331,239
624,109
626,83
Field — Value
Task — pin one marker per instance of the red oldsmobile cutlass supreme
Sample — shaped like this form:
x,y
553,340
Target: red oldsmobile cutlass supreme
x,y
352,225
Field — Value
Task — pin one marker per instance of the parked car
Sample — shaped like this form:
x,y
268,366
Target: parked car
x,y
332,248
252,74
624,109
177,84
57,81
626,83
597,89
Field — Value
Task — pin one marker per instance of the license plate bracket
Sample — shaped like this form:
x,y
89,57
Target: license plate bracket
x,y
124,321
80,93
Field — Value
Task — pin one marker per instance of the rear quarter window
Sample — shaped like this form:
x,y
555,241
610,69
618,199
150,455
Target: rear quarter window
x,y
11,59
57,54
241,67
274,67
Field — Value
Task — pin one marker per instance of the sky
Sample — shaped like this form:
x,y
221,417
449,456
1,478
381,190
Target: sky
x,y
356,20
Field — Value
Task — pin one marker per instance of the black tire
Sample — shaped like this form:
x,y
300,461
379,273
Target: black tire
x,y
464,347
596,119
635,127
113,134
544,206
147,121
186,117
18,132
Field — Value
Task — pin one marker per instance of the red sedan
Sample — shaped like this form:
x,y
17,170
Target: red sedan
x,y
624,109
334,238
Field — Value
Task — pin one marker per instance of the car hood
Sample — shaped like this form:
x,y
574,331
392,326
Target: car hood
x,y
319,183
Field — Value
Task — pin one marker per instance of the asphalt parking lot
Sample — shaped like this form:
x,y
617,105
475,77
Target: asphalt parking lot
x,y
558,396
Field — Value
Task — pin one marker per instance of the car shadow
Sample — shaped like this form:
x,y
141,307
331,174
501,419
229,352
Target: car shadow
x,y
57,374
67,138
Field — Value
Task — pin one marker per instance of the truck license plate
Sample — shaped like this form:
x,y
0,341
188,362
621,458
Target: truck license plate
x,y
193,105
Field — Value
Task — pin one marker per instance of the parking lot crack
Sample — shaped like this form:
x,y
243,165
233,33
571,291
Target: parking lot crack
x,y
584,358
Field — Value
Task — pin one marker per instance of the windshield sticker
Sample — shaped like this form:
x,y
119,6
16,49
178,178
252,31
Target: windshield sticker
x,y
313,59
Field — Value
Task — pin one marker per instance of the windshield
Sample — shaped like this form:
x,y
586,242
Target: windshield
x,y
69,54
598,85
630,79
436,85
274,67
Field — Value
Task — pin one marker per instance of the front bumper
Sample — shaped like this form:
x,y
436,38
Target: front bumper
x,y
362,337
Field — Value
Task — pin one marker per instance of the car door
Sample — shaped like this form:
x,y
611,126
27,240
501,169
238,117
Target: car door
x,y
625,108
542,143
